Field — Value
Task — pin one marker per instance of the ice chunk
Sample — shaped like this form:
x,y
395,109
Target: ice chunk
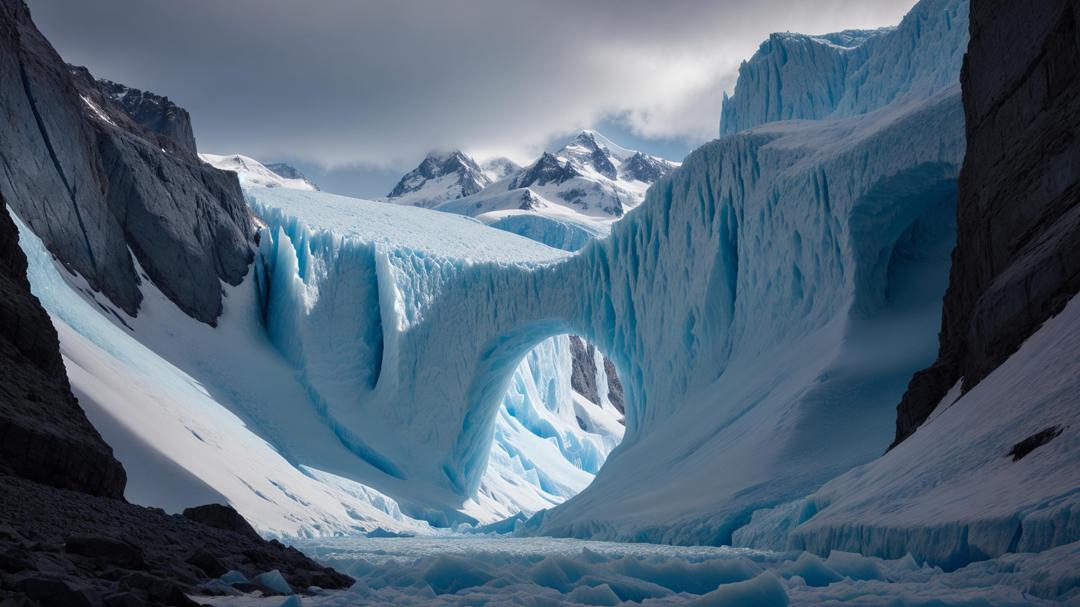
x,y
274,581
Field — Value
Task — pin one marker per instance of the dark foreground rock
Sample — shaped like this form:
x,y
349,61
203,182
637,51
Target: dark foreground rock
x,y
1017,257
220,517
62,547
44,434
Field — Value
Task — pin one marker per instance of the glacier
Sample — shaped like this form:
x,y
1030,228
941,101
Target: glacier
x,y
796,76
779,264
743,305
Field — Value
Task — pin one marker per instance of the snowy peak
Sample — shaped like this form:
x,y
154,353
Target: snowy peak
x,y
584,150
648,169
253,173
438,178
591,152
500,168
569,195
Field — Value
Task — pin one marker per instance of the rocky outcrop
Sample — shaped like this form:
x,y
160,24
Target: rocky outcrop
x,y
219,516
44,434
583,369
62,547
644,168
156,113
1017,258
544,171
99,178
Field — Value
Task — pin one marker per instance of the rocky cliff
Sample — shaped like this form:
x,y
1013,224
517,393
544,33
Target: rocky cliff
x,y
1017,259
101,174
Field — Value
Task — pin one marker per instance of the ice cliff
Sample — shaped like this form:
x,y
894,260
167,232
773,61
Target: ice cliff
x,y
801,77
740,305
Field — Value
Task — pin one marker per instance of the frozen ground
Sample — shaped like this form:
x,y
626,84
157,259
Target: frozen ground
x,y
489,570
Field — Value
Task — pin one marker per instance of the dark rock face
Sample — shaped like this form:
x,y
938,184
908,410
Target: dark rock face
x,y
68,548
44,435
219,516
583,369
1024,448
92,180
153,112
544,171
583,375
106,549
646,168
1017,258
615,388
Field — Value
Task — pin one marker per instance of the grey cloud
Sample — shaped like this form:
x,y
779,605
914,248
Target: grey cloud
x,y
336,82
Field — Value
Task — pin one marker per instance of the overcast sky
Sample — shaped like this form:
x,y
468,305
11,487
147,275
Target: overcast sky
x,y
355,91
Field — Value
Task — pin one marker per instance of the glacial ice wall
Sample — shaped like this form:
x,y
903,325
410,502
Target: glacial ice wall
x,y
742,306
801,77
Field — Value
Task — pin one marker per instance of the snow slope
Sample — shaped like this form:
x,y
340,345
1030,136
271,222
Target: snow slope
x,y
251,172
189,409
952,493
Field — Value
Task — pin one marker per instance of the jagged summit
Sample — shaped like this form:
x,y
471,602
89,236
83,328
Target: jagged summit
x,y
155,112
648,169
548,169
570,194
438,178
287,171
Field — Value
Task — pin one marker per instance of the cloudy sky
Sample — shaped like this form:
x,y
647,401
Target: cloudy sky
x,y
356,91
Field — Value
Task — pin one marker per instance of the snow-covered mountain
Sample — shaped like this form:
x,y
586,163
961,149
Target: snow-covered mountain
x,y
251,172
569,195
500,168
441,177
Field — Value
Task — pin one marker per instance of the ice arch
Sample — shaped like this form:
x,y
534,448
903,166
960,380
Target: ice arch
x,y
728,302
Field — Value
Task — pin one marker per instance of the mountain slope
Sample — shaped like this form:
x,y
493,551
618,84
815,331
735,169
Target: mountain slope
x,y
93,182
251,172
569,196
